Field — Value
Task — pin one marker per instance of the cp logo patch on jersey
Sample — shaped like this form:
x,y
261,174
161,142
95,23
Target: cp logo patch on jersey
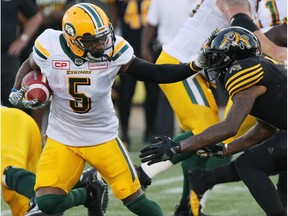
x,y
98,65
61,65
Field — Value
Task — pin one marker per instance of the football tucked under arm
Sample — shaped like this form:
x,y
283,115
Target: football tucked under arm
x,y
34,93
38,87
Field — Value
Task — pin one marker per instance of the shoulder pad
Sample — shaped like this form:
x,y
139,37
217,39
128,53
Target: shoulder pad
x,y
42,45
242,75
123,51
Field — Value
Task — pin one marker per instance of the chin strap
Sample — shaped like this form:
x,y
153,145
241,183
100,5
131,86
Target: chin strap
x,y
103,57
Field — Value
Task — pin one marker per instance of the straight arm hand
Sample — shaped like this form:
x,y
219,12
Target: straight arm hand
x,y
165,73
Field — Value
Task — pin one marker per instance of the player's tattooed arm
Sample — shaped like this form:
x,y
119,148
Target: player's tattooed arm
x,y
260,132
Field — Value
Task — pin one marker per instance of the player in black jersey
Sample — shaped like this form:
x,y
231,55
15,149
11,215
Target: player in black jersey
x,y
258,86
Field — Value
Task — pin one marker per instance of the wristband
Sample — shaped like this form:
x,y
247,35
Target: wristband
x,y
24,37
176,149
194,67
243,20
14,90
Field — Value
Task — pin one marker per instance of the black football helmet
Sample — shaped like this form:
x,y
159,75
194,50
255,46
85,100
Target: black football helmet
x,y
227,46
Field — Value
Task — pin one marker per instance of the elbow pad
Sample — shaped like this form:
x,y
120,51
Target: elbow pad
x,y
243,20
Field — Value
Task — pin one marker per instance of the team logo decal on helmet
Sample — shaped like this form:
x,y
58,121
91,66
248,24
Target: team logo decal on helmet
x,y
235,39
69,29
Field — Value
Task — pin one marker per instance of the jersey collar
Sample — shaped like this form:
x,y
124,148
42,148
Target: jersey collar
x,y
77,61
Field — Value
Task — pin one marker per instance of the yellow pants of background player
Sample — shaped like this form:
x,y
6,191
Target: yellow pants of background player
x,y
61,166
21,147
193,102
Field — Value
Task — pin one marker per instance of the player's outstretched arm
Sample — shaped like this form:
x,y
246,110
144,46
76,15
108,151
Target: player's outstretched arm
x,y
165,73
165,149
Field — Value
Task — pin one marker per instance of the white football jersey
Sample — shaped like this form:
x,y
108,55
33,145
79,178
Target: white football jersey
x,y
187,43
271,13
160,12
82,112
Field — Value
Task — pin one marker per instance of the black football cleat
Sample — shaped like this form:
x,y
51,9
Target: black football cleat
x,y
199,184
87,176
4,176
97,198
182,209
199,181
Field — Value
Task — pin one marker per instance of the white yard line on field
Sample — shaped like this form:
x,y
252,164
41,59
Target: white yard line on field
x,y
167,181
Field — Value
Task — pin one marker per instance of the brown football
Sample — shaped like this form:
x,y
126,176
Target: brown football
x,y
38,86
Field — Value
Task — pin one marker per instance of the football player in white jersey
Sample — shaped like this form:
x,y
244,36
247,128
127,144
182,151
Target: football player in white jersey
x,y
273,20
81,63
271,13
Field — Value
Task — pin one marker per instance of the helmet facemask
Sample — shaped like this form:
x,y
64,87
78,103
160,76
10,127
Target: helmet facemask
x,y
94,46
217,63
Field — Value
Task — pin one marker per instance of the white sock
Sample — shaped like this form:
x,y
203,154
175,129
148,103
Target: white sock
x,y
204,199
155,169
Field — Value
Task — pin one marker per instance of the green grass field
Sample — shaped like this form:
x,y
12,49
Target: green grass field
x,y
231,199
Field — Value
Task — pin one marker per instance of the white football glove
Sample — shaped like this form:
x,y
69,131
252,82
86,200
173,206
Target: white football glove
x,y
201,61
16,98
33,104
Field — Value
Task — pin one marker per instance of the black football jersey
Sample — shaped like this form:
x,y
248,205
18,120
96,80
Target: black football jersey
x,y
270,107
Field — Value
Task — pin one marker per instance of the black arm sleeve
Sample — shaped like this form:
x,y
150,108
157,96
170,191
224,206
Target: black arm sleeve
x,y
243,20
164,73
278,34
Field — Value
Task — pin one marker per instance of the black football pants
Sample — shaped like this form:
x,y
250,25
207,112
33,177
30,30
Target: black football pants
x,y
256,164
